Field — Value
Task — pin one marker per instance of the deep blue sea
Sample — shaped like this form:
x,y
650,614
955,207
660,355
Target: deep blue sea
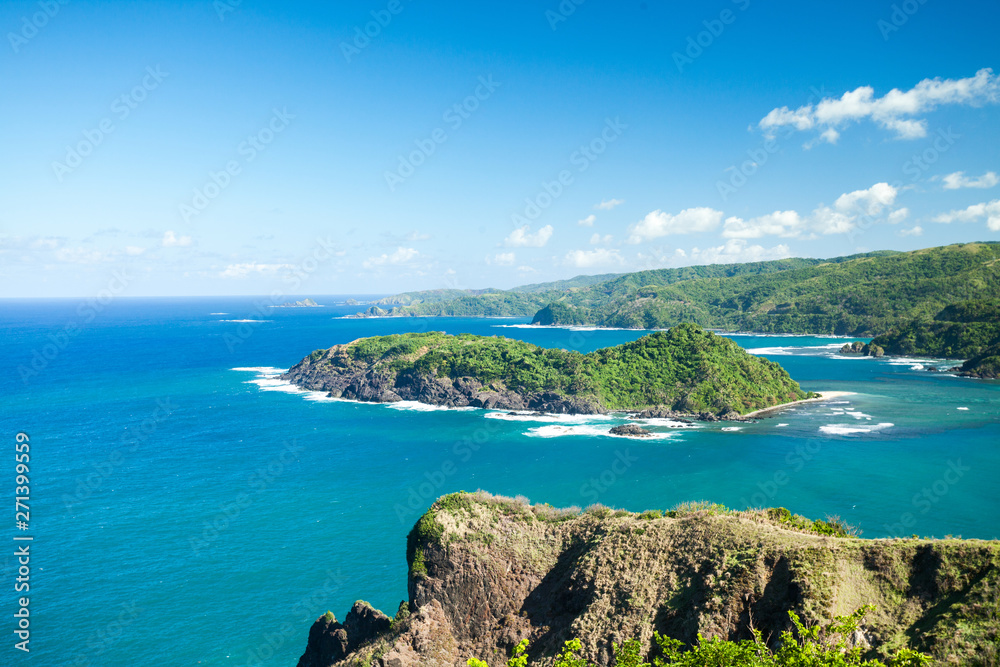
x,y
189,509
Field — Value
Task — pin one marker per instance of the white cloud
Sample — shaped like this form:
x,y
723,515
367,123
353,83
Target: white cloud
x,y
915,231
521,238
842,217
800,119
735,251
825,220
46,243
502,259
779,223
988,210
597,239
245,269
894,111
81,256
171,240
526,269
588,221
585,259
899,215
959,180
869,202
688,221
417,236
609,204
829,135
400,256
134,251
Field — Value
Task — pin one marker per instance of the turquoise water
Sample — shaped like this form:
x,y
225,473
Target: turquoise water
x,y
187,513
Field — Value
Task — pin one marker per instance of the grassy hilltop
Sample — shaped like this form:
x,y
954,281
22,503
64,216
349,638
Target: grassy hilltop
x,y
488,573
685,369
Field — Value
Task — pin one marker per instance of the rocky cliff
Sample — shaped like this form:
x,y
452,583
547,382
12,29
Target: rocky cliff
x,y
685,369
341,375
487,572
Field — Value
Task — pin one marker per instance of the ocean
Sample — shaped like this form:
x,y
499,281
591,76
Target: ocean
x,y
188,508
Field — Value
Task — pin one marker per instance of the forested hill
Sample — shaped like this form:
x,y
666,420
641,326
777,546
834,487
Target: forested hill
x,y
685,369
526,300
863,295
859,295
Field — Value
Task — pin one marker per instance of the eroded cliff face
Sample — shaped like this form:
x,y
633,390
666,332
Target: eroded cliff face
x,y
341,376
487,572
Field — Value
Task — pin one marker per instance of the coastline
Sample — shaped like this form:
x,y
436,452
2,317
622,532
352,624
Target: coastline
x,y
268,374
824,396
594,327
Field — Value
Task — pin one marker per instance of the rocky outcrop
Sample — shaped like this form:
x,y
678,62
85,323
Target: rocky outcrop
x,y
305,303
342,377
687,417
862,349
331,642
327,643
487,572
336,372
375,311
630,430
985,365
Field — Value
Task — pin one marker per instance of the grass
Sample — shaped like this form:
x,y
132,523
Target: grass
x,y
693,567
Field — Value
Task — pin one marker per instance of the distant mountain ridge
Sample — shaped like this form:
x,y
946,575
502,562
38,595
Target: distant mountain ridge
x,y
859,295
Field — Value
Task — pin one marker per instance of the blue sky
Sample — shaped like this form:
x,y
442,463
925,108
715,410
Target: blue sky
x,y
251,147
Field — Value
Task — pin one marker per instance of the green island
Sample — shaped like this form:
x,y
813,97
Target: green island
x,y
498,581
684,370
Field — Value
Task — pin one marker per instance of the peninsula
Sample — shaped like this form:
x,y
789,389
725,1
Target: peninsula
x,y
685,370
491,577
967,330
859,295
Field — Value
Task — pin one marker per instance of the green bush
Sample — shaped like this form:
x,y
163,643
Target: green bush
x,y
816,646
